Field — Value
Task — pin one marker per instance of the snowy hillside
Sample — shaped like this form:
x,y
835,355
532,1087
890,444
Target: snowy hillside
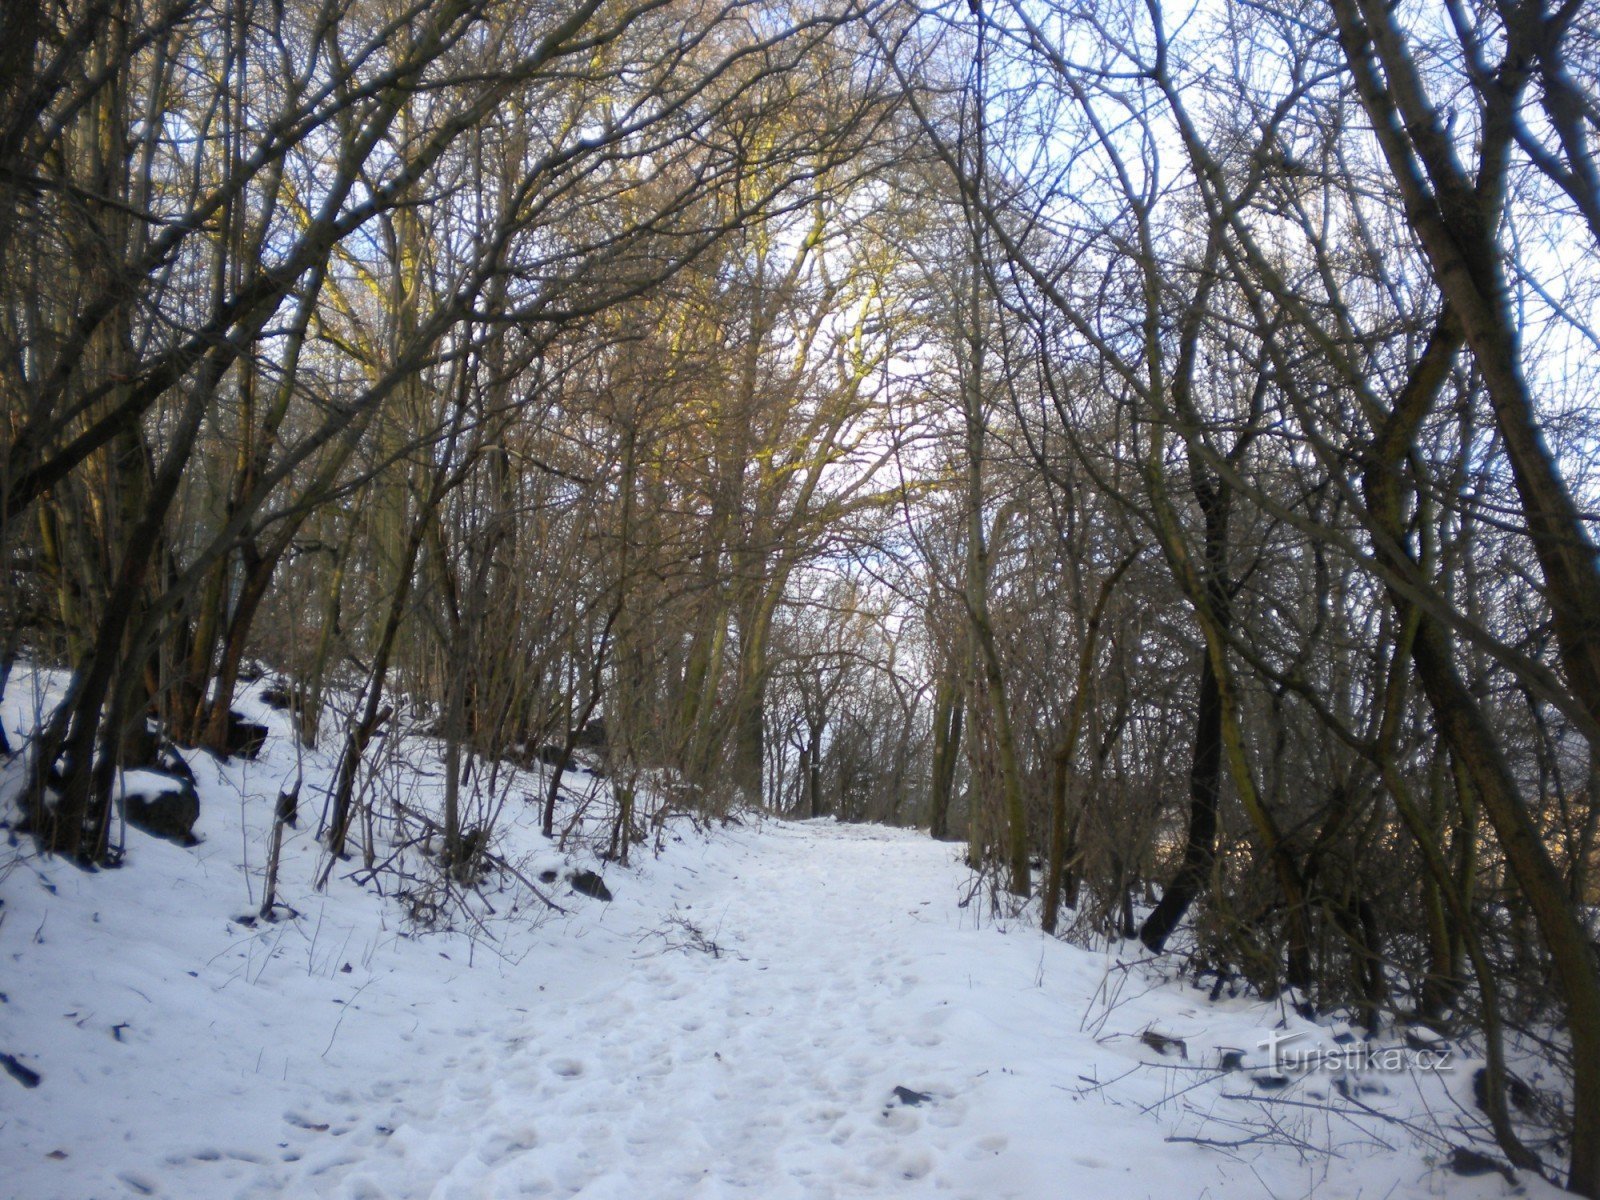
x,y
764,1009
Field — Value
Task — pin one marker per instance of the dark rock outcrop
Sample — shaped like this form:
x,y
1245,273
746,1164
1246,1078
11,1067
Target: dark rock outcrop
x,y
245,738
590,884
162,804
278,695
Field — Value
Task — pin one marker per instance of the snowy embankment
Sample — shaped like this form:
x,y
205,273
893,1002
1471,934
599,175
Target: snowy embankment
x,y
737,1021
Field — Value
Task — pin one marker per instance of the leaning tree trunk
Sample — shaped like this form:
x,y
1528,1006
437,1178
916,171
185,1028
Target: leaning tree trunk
x,y
71,824
1205,795
359,735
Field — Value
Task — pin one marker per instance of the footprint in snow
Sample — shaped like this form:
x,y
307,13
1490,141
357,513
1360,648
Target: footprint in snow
x,y
506,1142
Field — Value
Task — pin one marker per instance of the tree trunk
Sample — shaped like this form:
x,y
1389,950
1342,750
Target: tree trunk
x,y
1205,795
373,713
948,711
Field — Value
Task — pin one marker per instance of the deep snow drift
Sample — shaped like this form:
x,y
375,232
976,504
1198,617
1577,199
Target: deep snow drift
x,y
735,1023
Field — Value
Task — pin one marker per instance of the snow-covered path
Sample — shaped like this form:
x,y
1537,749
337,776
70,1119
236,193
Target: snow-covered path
x,y
613,1053
653,1065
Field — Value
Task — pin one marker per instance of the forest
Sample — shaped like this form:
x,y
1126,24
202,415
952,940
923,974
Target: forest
x,y
1151,445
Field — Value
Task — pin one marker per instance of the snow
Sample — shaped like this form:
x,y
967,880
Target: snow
x,y
149,783
735,1023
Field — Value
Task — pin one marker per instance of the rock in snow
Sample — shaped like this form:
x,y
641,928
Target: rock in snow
x,y
590,884
162,804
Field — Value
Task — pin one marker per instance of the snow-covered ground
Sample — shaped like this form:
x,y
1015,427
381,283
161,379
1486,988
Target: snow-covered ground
x,y
736,1022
